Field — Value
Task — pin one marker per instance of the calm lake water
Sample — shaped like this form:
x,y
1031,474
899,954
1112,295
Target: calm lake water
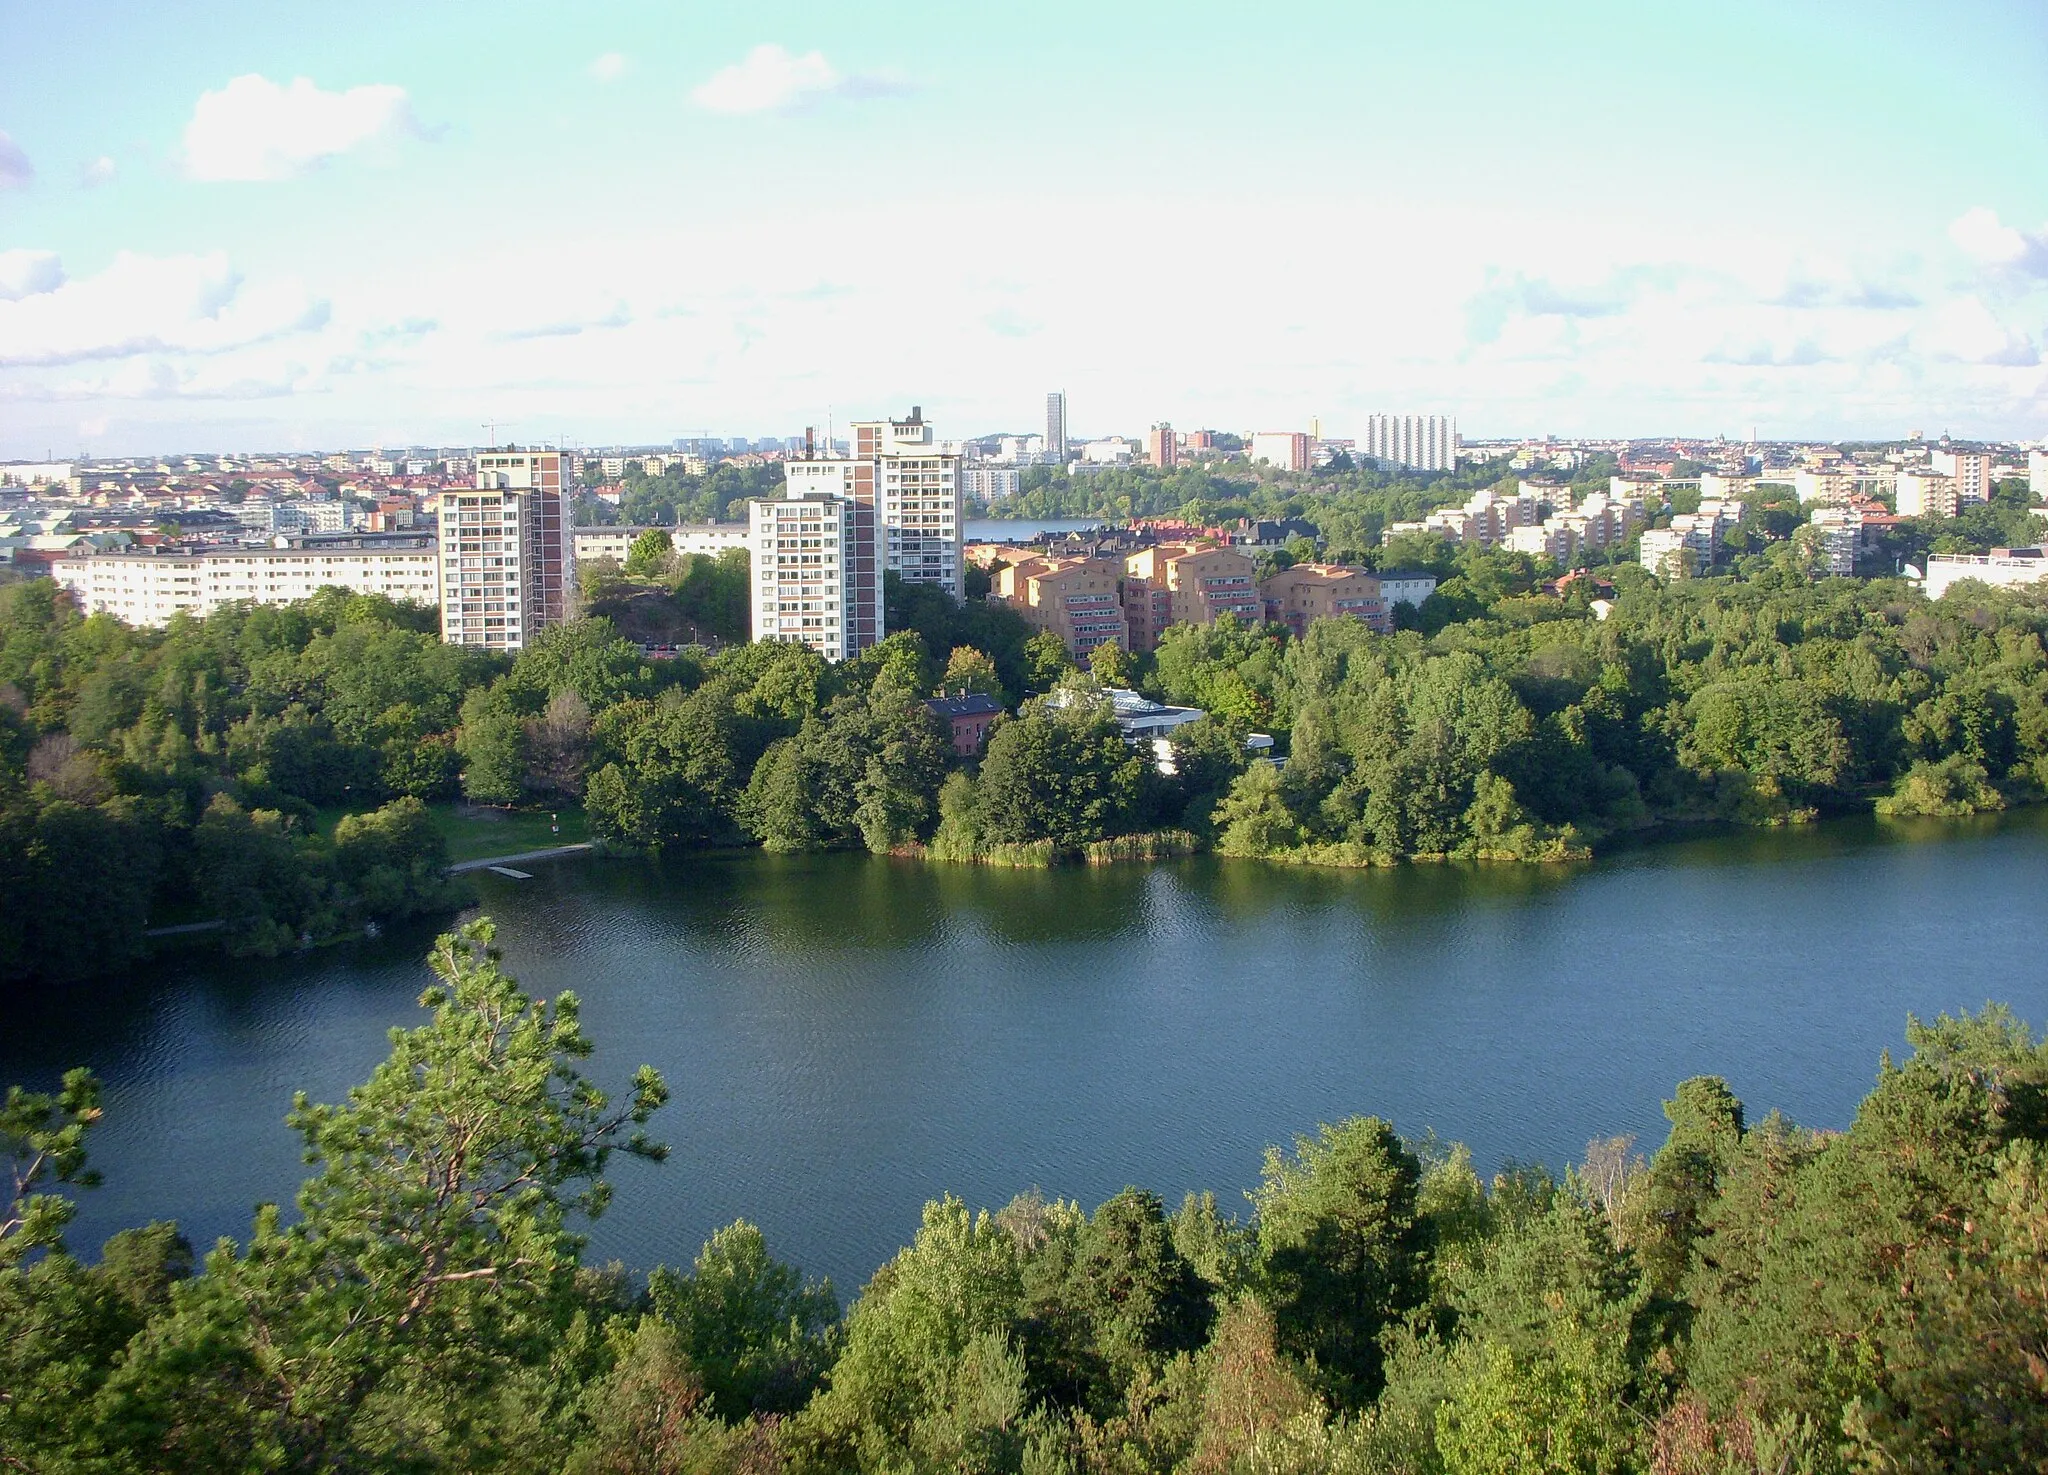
x,y
847,1037
1009,530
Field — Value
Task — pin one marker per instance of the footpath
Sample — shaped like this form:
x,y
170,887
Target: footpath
x,y
551,853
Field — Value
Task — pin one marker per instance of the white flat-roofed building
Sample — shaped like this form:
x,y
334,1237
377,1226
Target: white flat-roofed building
x,y
2037,474
1406,586
713,538
1972,473
1825,486
2002,568
915,492
986,483
147,586
812,576
35,473
1411,442
1927,494
1666,552
1290,450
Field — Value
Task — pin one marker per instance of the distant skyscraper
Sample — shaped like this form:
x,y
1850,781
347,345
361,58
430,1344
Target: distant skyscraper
x,y
1413,442
502,564
1056,425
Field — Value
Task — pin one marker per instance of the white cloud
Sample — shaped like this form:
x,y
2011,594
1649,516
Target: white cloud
x,y
256,129
27,273
1967,331
769,80
100,171
149,304
15,169
607,68
1985,237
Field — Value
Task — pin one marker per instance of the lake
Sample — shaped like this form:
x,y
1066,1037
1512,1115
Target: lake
x,y
848,1036
1023,529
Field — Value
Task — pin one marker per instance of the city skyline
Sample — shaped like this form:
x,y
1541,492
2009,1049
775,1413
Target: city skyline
x,y
290,231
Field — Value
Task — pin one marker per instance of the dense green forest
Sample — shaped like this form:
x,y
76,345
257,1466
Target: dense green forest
x,y
1755,1298
194,773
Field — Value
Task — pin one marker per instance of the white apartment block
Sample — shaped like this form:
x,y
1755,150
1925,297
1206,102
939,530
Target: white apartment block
x,y
503,579
147,586
915,492
322,517
813,581
1411,442
2037,474
1825,487
1725,485
986,483
35,473
1290,450
1927,494
1972,473
1664,552
1835,533
711,538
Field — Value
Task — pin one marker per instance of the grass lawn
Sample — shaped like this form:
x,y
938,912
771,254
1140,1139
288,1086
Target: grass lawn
x,y
475,831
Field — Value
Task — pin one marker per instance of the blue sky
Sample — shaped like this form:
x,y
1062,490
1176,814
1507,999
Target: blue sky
x,y
239,226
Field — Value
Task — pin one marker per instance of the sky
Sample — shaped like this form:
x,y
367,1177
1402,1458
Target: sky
x,y
243,225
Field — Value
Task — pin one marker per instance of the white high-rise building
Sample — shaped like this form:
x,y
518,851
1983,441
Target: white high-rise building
x,y
502,564
916,497
1411,442
989,483
813,575
1056,426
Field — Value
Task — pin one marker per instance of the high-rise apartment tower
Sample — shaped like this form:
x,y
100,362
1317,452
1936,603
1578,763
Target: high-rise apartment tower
x,y
1413,442
844,521
502,553
916,497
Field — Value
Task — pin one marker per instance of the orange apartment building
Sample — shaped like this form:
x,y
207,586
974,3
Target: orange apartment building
x,y
1176,585
1075,598
1307,592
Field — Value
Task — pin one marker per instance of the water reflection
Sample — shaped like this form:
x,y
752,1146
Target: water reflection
x,y
848,1035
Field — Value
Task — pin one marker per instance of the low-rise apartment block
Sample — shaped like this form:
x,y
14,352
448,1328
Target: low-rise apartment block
x,y
147,586
1664,552
1078,599
1927,494
712,538
1408,586
1972,473
1187,586
1298,596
